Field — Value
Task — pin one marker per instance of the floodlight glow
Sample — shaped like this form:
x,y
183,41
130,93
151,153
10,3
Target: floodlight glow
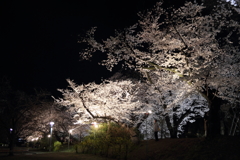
x,y
95,124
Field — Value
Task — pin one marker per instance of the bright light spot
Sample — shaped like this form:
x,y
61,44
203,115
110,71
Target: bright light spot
x,y
233,2
95,124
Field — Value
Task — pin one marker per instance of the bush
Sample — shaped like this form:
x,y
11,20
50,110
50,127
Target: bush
x,y
110,140
57,145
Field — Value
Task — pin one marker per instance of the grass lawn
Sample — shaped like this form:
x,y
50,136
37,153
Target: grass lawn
x,y
53,156
219,148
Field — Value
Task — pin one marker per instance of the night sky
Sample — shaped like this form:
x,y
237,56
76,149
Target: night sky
x,y
39,46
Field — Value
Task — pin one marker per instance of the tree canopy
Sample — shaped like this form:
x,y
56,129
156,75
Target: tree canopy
x,y
199,48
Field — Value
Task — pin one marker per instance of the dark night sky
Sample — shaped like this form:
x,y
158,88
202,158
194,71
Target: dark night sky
x,y
39,39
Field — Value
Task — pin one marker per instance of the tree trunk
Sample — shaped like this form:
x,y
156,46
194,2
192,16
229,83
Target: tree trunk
x,y
213,116
172,129
161,128
11,144
213,121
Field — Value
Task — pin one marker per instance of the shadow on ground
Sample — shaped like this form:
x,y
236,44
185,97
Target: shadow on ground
x,y
220,148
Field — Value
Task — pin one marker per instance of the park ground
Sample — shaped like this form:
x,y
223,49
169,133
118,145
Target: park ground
x,y
220,148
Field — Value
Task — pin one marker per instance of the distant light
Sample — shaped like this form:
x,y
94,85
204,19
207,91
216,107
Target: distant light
x,y
149,111
95,124
51,123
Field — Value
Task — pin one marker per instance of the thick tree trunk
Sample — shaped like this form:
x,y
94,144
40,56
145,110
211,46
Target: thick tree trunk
x,y
213,121
172,129
213,116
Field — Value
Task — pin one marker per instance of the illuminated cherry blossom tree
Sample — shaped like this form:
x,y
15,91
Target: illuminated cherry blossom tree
x,y
114,101
201,50
22,115
173,103
128,101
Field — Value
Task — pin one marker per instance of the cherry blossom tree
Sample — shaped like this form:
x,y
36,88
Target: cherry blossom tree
x,y
128,101
113,101
201,49
39,125
21,114
173,104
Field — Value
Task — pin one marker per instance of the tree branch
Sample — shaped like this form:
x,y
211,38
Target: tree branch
x,y
95,117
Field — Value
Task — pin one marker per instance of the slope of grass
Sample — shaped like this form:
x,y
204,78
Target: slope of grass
x,y
222,148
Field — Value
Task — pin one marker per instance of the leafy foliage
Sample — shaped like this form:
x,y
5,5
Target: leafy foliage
x,y
57,145
111,140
